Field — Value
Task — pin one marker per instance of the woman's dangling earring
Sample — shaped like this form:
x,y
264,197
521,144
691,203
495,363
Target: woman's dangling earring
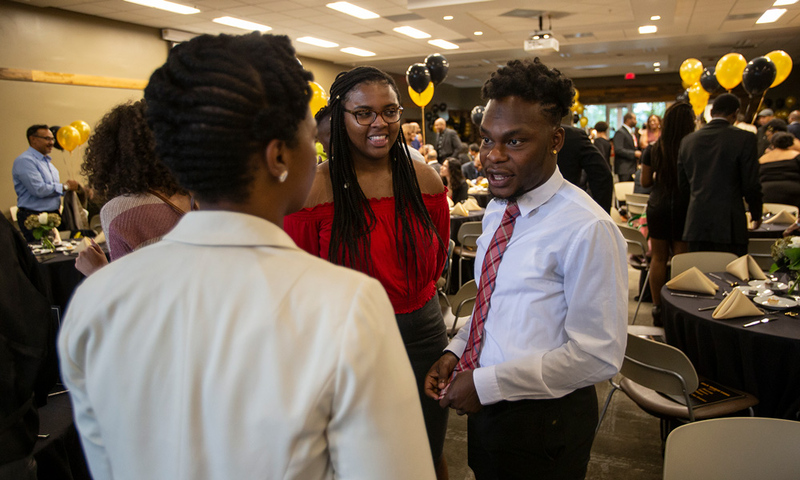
x,y
282,177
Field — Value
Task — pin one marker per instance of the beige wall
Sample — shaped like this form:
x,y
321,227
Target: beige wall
x,y
55,40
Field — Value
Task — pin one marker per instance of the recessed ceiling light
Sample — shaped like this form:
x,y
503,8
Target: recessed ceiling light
x,y
656,69
447,17
358,52
164,5
478,33
771,15
243,24
656,64
780,3
353,10
443,44
411,32
655,18
644,29
318,42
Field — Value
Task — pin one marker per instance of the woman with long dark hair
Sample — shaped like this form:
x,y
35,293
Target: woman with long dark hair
x,y
666,207
457,188
373,209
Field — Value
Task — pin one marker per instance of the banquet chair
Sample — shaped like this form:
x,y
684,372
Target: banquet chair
x,y
621,191
738,448
775,208
461,306
704,261
637,203
13,212
652,370
467,237
761,251
637,248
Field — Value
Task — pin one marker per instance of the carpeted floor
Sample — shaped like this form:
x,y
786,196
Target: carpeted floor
x,y
627,447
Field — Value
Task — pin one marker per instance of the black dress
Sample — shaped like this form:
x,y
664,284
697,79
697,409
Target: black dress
x,y
666,208
780,181
460,192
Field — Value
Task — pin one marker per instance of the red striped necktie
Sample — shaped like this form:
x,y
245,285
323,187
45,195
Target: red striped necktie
x,y
491,262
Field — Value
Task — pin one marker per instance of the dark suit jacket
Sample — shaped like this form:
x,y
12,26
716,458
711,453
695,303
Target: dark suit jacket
x,y
447,144
717,166
624,152
794,129
579,154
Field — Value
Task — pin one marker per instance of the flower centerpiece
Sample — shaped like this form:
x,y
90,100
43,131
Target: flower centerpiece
x,y
786,253
41,225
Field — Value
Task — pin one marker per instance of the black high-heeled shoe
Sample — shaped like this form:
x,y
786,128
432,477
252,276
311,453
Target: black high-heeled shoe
x,y
656,312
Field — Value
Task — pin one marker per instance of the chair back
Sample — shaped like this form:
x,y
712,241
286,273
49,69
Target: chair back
x,y
637,244
622,190
704,261
659,366
462,304
735,448
775,208
444,281
468,234
637,203
761,250
13,212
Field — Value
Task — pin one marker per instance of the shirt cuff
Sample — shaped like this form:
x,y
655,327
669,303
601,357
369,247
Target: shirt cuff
x,y
457,346
485,380
60,188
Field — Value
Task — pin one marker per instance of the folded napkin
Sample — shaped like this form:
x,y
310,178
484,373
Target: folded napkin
x,y
471,205
100,238
745,268
693,280
459,211
450,203
782,218
736,304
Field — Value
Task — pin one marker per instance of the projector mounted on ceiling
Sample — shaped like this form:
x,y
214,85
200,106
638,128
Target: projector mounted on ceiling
x,y
541,40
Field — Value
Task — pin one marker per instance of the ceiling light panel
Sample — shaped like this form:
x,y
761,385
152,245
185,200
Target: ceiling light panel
x,y
353,10
443,44
243,24
164,5
771,15
357,52
411,32
317,42
645,29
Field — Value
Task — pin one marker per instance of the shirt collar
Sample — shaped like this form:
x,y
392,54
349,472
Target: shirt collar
x,y
224,228
629,129
38,155
537,197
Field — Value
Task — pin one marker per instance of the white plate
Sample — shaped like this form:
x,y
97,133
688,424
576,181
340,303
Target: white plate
x,y
752,291
67,247
782,304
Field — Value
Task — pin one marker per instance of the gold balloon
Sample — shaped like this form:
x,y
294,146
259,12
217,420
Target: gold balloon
x,y
783,114
83,129
691,70
578,108
729,70
318,97
421,99
783,63
790,101
584,121
68,137
698,98
577,95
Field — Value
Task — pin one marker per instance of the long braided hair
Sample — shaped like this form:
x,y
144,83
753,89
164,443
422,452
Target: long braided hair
x,y
353,218
220,99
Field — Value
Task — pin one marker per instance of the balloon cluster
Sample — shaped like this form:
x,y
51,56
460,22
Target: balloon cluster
x,y
318,97
73,135
756,76
577,110
421,77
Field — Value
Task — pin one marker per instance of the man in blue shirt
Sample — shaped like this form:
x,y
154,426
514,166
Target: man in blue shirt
x,y
36,180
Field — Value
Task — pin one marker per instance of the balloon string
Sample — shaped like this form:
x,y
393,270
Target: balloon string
x,y
423,127
758,109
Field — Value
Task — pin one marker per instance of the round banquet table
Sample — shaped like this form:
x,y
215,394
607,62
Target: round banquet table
x,y
763,360
481,198
456,222
768,230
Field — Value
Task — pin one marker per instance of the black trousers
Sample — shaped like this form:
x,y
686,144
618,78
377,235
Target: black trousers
x,y
22,215
534,439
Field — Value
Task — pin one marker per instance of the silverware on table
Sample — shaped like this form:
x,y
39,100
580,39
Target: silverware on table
x,y
732,284
756,322
712,307
690,295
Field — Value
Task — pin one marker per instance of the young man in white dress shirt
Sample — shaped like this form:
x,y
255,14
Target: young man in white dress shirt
x,y
224,351
557,315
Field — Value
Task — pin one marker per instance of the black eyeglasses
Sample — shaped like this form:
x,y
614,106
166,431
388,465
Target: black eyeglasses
x,y
49,139
365,117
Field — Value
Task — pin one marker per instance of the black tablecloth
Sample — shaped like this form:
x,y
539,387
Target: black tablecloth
x,y
763,360
457,221
767,230
61,275
481,198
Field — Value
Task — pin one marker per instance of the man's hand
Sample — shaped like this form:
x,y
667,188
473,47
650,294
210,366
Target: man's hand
x,y
462,394
439,375
794,229
637,153
754,224
91,260
72,185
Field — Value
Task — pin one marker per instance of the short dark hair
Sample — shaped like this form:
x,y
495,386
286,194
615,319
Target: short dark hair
x,y
32,131
535,82
776,125
121,157
628,116
220,99
782,140
601,127
473,147
726,104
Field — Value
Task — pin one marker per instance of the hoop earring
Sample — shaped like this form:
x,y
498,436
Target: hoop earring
x,y
282,177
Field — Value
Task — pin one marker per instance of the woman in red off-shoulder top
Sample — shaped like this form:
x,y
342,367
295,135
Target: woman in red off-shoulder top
x,y
374,209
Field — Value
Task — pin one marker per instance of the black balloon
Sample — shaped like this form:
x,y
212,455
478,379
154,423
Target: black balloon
x,y
758,75
55,130
435,108
418,77
683,97
438,67
477,114
708,80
